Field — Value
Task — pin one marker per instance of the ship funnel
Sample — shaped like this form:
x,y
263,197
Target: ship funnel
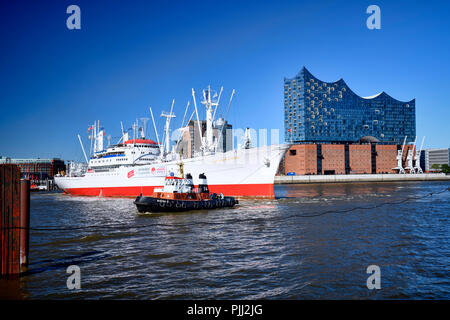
x,y
203,183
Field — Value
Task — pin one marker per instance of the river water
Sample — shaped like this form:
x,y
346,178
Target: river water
x,y
262,249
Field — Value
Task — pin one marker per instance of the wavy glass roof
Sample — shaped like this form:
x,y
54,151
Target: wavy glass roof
x,y
317,110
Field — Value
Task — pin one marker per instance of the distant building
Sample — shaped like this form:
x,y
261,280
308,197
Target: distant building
x,y
318,111
435,156
191,141
38,169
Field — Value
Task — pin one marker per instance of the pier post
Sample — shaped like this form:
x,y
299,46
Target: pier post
x,y
24,223
10,220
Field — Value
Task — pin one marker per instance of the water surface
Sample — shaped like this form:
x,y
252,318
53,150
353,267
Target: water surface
x,y
262,249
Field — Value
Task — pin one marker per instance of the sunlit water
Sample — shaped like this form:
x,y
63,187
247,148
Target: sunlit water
x,y
262,249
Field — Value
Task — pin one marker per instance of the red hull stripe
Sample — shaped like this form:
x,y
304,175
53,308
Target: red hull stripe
x,y
239,190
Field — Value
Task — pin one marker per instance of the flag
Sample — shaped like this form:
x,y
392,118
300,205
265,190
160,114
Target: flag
x,y
90,128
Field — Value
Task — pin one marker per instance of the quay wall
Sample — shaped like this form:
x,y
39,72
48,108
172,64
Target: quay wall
x,y
339,178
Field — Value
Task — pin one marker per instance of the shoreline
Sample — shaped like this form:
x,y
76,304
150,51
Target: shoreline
x,y
340,178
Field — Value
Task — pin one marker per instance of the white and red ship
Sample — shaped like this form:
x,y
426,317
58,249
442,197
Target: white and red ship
x,y
139,165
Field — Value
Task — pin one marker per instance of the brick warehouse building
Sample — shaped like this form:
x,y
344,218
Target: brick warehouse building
x,y
37,169
335,131
328,158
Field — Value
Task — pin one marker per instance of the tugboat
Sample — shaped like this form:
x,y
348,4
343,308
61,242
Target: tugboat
x,y
179,194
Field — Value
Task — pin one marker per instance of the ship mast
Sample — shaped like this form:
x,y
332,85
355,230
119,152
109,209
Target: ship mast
x,y
209,104
168,116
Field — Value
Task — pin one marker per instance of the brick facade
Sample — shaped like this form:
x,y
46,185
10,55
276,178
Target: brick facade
x,y
333,158
302,158
386,158
360,158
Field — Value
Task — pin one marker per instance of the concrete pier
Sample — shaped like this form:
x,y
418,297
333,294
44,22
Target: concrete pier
x,y
340,178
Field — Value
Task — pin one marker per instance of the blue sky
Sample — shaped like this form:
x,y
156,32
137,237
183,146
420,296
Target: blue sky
x,y
130,55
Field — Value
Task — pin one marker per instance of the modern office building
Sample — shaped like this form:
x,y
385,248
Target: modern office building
x,y
319,111
435,157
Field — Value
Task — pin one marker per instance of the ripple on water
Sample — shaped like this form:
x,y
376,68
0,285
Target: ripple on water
x,y
262,249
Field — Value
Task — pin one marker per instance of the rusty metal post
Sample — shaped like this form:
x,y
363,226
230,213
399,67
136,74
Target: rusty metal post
x,y
24,222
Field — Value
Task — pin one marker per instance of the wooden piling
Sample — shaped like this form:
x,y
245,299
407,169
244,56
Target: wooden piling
x,y
11,224
24,223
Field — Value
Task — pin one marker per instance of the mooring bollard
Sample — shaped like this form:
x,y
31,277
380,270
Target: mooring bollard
x,y
24,223
14,221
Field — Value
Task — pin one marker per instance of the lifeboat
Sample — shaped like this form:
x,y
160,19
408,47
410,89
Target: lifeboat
x,y
179,194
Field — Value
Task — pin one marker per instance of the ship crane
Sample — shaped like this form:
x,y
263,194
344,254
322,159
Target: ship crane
x,y
417,167
409,158
399,166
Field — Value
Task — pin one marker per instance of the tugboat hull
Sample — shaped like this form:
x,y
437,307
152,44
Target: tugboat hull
x,y
151,204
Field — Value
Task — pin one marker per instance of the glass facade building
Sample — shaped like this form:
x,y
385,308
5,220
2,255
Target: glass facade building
x,y
318,111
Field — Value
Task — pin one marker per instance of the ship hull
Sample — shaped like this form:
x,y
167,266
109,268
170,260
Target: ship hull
x,y
241,173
